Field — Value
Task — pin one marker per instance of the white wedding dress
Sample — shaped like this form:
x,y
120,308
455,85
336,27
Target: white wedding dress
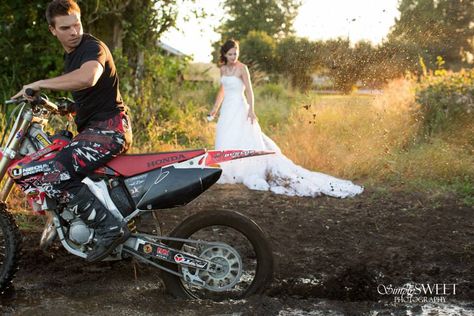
x,y
270,172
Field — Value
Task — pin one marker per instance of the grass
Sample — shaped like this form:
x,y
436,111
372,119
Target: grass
x,y
375,140
352,136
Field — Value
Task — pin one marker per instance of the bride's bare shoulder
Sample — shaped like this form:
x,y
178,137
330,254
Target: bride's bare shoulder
x,y
241,65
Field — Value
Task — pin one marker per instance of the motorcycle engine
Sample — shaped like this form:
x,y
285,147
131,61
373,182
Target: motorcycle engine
x,y
79,232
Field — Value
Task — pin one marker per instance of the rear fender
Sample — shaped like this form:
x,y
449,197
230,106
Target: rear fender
x,y
218,156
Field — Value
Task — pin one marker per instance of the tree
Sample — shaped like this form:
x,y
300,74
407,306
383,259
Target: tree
x,y
438,27
29,52
394,58
339,63
258,50
130,25
27,49
297,58
364,57
349,65
274,17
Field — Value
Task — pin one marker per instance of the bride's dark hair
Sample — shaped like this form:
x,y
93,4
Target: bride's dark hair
x,y
229,44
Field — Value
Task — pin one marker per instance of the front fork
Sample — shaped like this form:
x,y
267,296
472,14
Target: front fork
x,y
9,153
6,189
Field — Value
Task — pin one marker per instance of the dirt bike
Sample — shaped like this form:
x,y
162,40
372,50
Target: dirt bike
x,y
211,254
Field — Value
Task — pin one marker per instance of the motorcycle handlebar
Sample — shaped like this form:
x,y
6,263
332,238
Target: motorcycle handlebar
x,y
13,101
37,99
40,100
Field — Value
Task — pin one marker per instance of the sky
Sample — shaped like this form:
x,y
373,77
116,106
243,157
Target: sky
x,y
317,19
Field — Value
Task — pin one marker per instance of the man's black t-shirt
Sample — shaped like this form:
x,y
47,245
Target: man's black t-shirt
x,y
103,100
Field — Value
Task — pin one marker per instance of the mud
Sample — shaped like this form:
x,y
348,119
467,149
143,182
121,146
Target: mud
x,y
333,257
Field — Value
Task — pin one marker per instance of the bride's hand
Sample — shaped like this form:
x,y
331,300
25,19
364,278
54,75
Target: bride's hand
x,y
252,116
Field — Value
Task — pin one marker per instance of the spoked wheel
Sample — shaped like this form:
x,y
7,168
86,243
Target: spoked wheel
x,y
240,250
10,247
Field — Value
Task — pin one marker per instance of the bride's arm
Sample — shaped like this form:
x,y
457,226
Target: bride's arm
x,y
219,99
249,93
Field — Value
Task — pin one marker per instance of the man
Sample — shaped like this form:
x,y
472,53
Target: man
x,y
100,115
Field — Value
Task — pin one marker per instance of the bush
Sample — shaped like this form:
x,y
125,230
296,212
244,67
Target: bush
x,y
273,104
273,90
167,112
445,98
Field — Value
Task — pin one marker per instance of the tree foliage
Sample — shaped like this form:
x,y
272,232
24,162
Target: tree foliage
x,y
130,25
26,47
258,50
297,58
438,27
29,52
445,98
274,17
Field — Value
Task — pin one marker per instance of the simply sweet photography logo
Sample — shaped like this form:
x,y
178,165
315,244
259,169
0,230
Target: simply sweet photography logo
x,y
418,292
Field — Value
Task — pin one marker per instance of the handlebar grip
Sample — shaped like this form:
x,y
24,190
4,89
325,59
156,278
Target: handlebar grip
x,y
7,102
30,92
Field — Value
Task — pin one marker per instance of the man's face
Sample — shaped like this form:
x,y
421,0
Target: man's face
x,y
68,30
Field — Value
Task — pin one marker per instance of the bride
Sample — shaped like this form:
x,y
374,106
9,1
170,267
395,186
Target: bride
x,y
238,128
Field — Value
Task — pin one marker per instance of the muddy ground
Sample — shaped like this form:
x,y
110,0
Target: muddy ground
x,y
333,257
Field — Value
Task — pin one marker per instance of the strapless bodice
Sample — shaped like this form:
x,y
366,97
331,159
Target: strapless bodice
x,y
232,85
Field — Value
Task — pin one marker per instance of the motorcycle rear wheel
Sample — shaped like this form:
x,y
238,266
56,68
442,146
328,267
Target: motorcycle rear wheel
x,y
235,230
10,248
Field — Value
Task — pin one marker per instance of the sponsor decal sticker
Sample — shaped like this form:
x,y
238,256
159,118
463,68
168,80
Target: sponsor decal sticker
x,y
166,160
19,134
147,248
162,251
239,154
179,258
16,172
42,140
40,153
35,169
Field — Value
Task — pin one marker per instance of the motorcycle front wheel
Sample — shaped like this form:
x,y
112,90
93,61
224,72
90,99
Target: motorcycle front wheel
x,y
241,248
10,247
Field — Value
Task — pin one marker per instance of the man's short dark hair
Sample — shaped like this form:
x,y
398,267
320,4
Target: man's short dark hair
x,y
60,7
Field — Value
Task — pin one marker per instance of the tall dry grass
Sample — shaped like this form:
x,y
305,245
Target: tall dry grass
x,y
374,139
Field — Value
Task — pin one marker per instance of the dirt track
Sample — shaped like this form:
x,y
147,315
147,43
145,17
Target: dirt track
x,y
331,256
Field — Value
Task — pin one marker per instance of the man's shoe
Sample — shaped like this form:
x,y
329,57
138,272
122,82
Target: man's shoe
x,y
108,229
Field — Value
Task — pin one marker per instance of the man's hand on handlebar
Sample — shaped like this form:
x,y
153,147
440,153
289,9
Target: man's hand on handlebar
x,y
22,93
33,97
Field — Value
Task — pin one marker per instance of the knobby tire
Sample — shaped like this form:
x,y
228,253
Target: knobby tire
x,y
10,248
234,220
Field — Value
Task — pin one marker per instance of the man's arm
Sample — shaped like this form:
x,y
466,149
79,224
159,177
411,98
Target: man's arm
x,y
82,78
